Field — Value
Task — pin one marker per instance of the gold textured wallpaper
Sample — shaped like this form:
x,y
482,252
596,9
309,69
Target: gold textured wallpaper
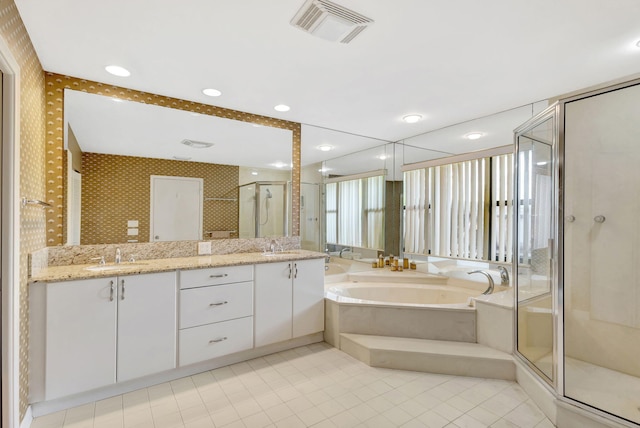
x,y
32,170
117,188
56,157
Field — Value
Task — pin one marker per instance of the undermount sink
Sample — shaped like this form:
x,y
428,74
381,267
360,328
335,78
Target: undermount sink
x,y
121,266
280,253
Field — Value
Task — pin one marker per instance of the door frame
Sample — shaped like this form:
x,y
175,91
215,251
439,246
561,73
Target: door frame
x,y
194,179
10,218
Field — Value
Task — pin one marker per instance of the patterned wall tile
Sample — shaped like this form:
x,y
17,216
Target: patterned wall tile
x,y
32,170
117,188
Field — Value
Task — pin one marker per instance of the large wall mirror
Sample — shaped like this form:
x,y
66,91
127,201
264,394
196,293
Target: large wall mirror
x,y
126,160
138,172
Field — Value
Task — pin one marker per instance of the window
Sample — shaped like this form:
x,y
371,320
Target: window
x,y
355,211
461,209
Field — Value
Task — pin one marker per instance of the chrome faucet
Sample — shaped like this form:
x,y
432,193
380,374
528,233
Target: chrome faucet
x,y
272,246
345,249
504,275
118,256
491,283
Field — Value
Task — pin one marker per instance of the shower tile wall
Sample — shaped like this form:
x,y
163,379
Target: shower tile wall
x,y
602,275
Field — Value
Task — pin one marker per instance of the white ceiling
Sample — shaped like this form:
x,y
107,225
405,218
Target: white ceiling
x,y
449,61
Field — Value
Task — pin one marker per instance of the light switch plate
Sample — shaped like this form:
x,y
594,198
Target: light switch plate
x,y
204,248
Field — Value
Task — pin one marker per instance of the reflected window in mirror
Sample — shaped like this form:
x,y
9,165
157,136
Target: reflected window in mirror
x,y
355,210
461,207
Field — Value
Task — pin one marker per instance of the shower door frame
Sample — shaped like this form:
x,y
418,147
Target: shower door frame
x,y
560,388
550,112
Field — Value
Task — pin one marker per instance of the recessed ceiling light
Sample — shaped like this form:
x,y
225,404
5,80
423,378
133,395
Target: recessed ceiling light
x,y
325,147
279,164
256,125
182,158
542,163
412,118
382,157
196,144
324,170
474,135
254,172
211,92
116,70
282,107
117,100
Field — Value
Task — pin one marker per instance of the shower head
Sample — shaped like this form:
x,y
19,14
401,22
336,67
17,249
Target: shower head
x,y
269,195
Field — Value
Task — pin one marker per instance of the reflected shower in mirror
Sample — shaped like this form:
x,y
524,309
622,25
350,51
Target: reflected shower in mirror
x,y
115,146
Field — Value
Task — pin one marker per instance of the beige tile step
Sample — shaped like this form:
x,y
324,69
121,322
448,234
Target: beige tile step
x,y
432,356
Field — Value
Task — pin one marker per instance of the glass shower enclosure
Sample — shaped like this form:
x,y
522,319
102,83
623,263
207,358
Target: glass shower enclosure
x,y
263,209
578,265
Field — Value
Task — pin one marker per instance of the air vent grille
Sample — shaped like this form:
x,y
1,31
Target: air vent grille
x,y
330,21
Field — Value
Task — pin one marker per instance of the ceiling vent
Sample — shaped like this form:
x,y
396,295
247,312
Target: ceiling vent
x,y
330,21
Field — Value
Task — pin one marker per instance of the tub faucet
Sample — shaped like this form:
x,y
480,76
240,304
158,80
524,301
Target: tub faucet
x,y
491,283
504,275
272,246
118,256
345,250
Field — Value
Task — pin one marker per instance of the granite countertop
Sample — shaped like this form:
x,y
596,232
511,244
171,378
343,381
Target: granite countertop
x,y
70,272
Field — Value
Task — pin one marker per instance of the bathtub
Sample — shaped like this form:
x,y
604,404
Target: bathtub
x,y
402,294
399,309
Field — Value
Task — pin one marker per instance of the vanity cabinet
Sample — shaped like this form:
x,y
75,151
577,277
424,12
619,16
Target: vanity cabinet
x,y
96,332
216,313
289,300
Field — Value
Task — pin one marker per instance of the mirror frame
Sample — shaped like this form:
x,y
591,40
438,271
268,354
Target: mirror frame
x,y
56,165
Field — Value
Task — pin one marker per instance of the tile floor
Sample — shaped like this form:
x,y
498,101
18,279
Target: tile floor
x,y
311,386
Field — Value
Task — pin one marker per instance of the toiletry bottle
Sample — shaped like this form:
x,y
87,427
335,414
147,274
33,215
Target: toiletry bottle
x,y
380,261
405,263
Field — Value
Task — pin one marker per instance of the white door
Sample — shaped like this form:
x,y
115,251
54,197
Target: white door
x,y
176,208
81,336
146,324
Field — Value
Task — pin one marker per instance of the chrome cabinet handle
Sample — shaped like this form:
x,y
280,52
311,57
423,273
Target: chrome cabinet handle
x,y
599,219
218,304
220,275
122,296
290,271
222,339
295,270
111,291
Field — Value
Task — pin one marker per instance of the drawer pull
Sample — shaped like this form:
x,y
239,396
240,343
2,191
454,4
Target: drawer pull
x,y
218,304
222,339
220,275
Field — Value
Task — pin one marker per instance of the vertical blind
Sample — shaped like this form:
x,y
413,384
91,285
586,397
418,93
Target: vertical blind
x,y
448,209
355,212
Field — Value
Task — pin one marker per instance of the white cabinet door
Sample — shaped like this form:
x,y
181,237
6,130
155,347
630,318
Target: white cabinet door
x,y
81,336
308,297
273,303
146,324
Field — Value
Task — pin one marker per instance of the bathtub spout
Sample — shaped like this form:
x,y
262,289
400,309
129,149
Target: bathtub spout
x,y
489,290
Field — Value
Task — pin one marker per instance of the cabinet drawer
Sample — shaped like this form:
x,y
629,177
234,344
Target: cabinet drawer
x,y
215,340
215,276
206,305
